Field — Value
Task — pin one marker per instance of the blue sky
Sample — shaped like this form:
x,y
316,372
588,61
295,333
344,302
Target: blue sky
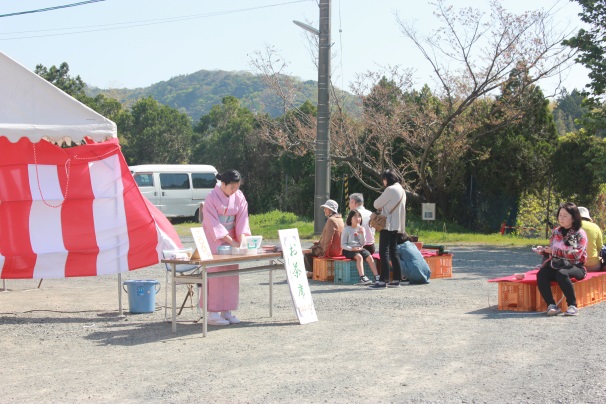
x,y
224,35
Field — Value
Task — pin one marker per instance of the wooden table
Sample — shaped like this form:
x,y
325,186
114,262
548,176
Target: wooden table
x,y
261,262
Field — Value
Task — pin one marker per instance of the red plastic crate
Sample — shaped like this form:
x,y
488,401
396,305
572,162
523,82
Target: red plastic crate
x,y
324,269
440,266
517,296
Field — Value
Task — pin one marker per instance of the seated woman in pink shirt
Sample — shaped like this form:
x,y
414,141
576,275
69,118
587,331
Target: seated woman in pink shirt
x,y
567,253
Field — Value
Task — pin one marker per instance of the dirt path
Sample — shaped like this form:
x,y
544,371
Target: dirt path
x,y
442,342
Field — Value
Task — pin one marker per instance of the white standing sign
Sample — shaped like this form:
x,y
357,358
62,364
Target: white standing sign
x,y
202,248
297,276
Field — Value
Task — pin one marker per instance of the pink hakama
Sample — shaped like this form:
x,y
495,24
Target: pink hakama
x,y
224,216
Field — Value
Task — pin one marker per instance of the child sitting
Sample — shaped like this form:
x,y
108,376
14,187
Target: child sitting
x,y
352,243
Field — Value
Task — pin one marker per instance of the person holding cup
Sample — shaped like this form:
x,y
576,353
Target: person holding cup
x,y
566,256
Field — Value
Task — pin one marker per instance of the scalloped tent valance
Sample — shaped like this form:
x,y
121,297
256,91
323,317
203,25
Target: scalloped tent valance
x,y
33,108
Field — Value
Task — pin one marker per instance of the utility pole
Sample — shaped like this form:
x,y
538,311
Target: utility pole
x,y
323,132
322,191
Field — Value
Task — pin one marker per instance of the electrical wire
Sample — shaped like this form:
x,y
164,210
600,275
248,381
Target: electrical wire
x,y
40,10
341,48
133,24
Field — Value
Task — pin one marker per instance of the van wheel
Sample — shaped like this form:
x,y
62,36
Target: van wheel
x,y
197,216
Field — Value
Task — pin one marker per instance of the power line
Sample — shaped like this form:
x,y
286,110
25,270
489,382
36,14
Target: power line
x,y
40,10
133,24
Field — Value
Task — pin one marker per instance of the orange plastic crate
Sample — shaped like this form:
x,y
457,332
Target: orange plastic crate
x,y
587,292
601,287
557,295
440,266
517,296
324,269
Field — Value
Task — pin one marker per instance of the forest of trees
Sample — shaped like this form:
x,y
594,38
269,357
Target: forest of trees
x,y
486,145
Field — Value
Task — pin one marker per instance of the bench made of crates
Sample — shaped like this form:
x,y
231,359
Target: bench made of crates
x,y
523,295
324,269
342,270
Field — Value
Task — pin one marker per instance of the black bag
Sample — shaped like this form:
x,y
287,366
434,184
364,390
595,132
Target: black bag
x,y
560,263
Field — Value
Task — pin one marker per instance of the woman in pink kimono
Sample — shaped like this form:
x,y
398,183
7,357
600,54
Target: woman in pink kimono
x,y
225,222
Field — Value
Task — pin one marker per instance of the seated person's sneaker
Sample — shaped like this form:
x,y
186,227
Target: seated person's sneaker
x,y
394,284
230,317
378,285
553,310
571,311
364,280
215,319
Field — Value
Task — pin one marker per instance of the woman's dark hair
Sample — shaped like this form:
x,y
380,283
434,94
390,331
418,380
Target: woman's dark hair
x,y
391,176
402,238
229,176
352,213
574,212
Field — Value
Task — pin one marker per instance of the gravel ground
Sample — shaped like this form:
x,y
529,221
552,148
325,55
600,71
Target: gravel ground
x,y
442,342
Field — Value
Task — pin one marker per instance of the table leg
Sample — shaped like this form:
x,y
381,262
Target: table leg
x,y
173,285
204,301
271,290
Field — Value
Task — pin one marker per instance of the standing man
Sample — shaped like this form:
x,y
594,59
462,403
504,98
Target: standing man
x,y
356,201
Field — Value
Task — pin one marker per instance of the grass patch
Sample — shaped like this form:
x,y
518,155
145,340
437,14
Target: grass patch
x,y
265,224
439,232
441,238
268,224
429,232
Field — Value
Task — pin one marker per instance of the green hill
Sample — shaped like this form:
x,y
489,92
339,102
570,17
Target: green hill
x,y
196,93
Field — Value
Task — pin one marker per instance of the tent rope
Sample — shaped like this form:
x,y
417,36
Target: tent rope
x,y
67,170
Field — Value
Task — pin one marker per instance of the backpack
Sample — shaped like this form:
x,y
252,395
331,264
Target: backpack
x,y
414,266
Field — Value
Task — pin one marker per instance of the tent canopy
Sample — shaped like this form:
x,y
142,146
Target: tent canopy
x,y
67,211
32,107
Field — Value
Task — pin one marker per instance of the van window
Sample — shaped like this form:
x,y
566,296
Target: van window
x,y
203,180
174,181
144,179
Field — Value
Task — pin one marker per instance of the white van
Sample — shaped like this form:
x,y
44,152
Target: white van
x,y
176,189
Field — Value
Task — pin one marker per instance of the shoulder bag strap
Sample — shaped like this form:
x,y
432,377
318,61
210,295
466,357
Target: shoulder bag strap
x,y
398,204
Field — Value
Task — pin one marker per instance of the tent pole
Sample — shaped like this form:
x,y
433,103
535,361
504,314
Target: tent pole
x,y
120,294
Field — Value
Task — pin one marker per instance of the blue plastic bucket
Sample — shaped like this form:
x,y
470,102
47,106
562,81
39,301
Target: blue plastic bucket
x,y
142,295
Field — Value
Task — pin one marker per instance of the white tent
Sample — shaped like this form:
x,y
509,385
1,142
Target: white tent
x,y
67,211
32,107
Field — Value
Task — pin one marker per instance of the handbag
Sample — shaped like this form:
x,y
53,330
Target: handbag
x,y
378,220
560,263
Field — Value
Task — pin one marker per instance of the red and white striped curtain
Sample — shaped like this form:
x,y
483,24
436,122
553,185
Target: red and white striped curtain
x,y
74,212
